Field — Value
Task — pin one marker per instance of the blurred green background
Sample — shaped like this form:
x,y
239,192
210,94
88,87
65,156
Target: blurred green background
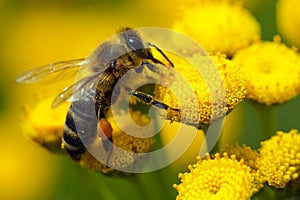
x,y
34,33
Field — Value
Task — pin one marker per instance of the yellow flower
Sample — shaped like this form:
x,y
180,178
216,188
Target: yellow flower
x,y
244,152
280,158
218,178
288,20
43,124
219,26
250,158
272,71
233,80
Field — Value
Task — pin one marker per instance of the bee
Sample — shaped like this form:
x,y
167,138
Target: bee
x,y
91,96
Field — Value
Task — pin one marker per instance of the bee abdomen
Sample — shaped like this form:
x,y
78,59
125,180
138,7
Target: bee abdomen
x,y
80,125
72,144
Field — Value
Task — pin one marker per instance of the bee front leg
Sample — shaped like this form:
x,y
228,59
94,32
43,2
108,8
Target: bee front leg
x,y
173,114
151,66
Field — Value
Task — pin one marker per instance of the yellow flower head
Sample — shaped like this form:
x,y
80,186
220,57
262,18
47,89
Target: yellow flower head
x,y
280,158
245,153
272,71
218,178
233,81
43,124
219,26
288,20
250,158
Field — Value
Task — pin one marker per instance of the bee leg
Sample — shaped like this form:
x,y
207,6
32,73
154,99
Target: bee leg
x,y
157,69
148,99
149,65
173,114
104,130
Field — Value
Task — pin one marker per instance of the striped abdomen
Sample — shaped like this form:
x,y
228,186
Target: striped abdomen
x,y
81,124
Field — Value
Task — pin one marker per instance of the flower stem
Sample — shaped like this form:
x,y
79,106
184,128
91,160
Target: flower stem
x,y
212,134
216,148
267,120
139,186
91,183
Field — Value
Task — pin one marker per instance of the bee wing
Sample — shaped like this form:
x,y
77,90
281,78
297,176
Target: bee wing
x,y
84,88
52,72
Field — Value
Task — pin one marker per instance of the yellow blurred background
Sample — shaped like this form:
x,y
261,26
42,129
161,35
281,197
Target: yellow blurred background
x,y
34,33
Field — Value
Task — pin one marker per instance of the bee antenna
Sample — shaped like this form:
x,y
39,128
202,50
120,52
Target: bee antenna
x,y
161,52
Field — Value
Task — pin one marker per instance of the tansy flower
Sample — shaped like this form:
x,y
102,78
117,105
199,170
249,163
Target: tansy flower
x,y
43,124
250,158
218,178
233,81
280,158
272,71
288,20
245,153
219,26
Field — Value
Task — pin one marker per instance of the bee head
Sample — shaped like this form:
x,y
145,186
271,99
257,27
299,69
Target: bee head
x,y
132,39
135,44
127,44
106,53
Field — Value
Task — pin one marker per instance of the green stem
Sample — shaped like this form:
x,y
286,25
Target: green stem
x,y
267,120
139,186
216,148
213,130
91,181
160,183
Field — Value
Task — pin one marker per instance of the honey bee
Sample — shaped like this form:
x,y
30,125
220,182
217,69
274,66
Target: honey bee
x,y
91,95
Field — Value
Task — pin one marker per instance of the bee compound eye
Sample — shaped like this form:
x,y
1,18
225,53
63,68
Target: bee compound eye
x,y
135,43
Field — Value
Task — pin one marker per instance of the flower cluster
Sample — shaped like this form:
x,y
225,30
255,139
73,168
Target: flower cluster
x,y
227,27
272,73
277,162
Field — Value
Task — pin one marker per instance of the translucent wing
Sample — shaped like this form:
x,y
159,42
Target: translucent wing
x,y
82,89
52,72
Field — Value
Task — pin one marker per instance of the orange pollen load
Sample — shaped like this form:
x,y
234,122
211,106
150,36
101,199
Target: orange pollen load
x,y
104,129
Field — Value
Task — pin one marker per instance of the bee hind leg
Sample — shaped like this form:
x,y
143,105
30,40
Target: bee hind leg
x,y
104,130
